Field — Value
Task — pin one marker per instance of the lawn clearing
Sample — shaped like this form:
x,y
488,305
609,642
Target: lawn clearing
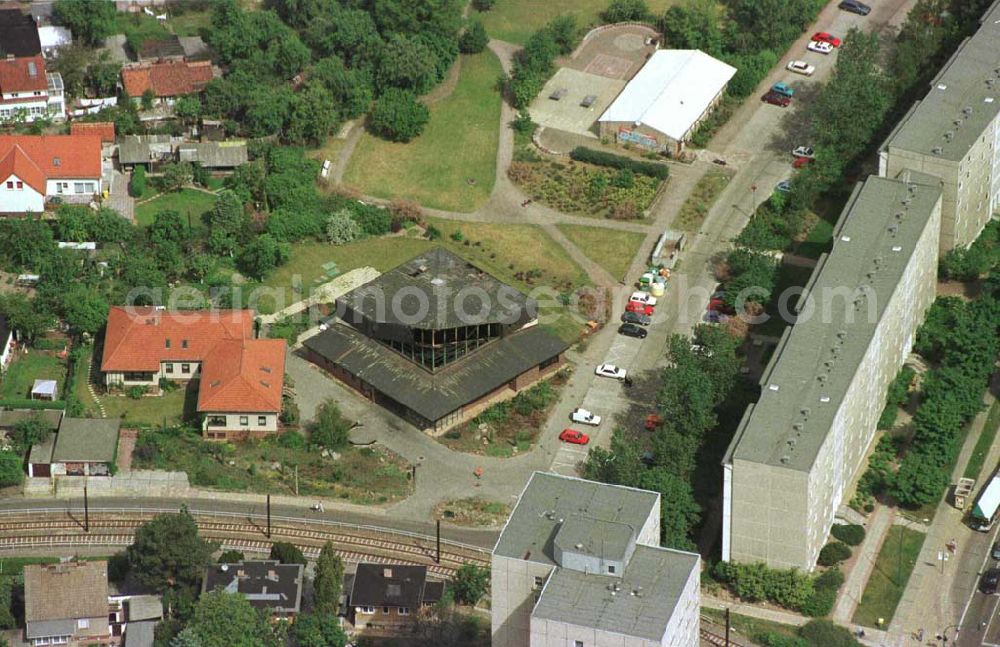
x,y
28,367
983,443
892,570
139,27
515,20
527,258
452,165
474,512
789,276
818,239
363,475
172,408
188,202
190,23
698,204
610,248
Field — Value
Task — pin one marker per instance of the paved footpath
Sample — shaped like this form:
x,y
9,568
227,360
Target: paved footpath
x,y
850,593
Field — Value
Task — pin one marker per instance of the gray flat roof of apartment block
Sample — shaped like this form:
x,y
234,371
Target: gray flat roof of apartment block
x,y
434,395
549,500
434,284
964,98
817,357
646,596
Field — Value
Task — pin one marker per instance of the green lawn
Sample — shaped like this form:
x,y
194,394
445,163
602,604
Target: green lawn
x,y
705,193
983,443
168,409
516,20
610,248
190,23
817,241
25,369
452,165
749,627
138,28
189,202
789,276
892,570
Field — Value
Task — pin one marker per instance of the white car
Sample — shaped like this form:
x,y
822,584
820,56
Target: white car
x,y
644,298
800,67
585,417
610,370
819,46
804,151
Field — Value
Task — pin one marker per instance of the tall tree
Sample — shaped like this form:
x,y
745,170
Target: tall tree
x,y
470,583
318,630
223,619
167,552
693,25
287,553
328,580
90,21
228,224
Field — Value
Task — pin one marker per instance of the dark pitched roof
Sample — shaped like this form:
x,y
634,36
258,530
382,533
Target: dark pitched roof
x,y
18,34
438,279
163,48
266,585
391,585
435,395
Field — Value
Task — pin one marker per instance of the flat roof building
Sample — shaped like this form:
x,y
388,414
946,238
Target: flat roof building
x,y
666,101
800,446
953,133
436,340
579,562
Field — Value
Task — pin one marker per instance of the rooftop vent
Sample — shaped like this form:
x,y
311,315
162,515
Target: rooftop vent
x,y
988,100
897,248
937,150
578,546
805,411
786,458
845,239
437,281
216,382
894,229
957,122
266,369
824,398
791,441
967,110
950,135
798,426
772,387
942,86
841,334
265,384
899,215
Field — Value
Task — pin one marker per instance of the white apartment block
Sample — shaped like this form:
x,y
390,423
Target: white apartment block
x,y
799,448
953,133
579,565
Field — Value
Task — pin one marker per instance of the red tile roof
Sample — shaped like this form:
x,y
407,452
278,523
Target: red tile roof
x,y
238,373
166,78
24,74
50,156
243,376
103,129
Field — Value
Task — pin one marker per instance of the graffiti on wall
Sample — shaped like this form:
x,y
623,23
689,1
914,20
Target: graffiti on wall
x,y
635,137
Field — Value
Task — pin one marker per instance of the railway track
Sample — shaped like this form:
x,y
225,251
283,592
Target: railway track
x,y
354,544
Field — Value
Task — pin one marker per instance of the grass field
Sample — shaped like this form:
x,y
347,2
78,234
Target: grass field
x,y
190,23
25,369
611,249
452,165
698,204
516,20
171,408
892,570
748,626
818,240
186,201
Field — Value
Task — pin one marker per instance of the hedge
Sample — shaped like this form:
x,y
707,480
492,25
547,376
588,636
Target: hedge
x,y
833,553
790,588
25,403
851,534
824,595
602,158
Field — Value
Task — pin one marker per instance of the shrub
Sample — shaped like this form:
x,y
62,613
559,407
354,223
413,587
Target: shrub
x,y
457,236
833,553
372,220
118,567
610,160
292,440
625,10
230,557
11,472
773,639
289,411
827,634
136,391
851,534
342,228
824,593
398,116
433,233
138,181
474,39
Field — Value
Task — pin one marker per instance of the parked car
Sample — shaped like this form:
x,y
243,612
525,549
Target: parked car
x,y
804,151
573,436
585,417
995,553
854,6
639,308
636,318
801,67
819,47
784,186
782,88
632,330
776,99
989,581
643,297
610,370
801,161
826,37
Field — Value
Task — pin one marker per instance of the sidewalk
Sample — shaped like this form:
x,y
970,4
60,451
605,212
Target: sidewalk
x,y
850,593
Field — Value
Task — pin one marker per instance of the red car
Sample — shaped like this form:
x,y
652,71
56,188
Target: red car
x,y
776,99
801,161
573,436
641,308
824,37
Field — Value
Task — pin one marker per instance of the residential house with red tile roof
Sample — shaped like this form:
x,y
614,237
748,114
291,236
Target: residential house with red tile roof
x,y
167,80
37,168
27,91
240,378
103,129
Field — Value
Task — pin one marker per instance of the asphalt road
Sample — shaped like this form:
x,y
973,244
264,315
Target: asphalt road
x,y
980,624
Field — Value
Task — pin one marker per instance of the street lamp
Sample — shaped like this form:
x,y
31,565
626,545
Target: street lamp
x,y
943,636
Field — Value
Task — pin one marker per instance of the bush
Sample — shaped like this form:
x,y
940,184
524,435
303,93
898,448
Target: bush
x,y
474,39
772,639
834,553
457,236
136,391
138,182
851,534
372,220
610,160
292,440
342,228
118,567
398,116
230,557
789,588
625,11
433,233
827,634
824,595
11,471
483,5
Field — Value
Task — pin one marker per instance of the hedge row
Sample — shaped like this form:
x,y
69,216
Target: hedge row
x,y
25,403
789,588
603,158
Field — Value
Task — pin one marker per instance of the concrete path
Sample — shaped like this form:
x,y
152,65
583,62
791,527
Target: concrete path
x,y
866,554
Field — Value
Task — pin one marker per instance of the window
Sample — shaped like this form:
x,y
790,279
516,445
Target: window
x,y
137,376
184,343
10,185
403,611
539,582
385,610
38,93
261,421
166,343
244,421
577,643
169,368
185,368
20,185
216,421
366,609
79,187
83,623
611,569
